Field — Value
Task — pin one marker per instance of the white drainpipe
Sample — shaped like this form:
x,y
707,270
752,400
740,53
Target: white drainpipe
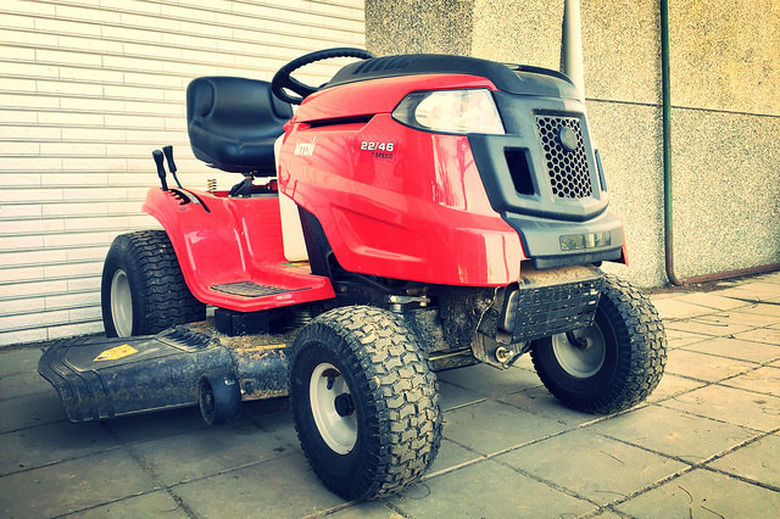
x,y
571,45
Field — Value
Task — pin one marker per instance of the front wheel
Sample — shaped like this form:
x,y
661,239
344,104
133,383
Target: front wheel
x,y
364,402
613,364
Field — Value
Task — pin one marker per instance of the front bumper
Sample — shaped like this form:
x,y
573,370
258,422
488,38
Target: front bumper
x,y
543,238
550,302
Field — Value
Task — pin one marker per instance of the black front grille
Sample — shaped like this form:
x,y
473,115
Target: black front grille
x,y
568,170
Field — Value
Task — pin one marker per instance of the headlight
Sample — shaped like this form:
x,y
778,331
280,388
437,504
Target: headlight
x,y
450,111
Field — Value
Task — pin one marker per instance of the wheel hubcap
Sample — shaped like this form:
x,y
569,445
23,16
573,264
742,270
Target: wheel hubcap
x,y
333,408
582,357
121,304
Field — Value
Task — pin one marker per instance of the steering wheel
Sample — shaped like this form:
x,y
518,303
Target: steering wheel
x,y
283,78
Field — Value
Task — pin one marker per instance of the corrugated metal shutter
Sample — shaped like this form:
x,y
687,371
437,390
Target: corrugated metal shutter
x,y
88,89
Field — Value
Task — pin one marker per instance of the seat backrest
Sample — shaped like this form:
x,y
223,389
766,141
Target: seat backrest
x,y
232,122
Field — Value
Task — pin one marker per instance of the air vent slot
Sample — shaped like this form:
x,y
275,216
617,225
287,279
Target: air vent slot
x,y
520,171
340,121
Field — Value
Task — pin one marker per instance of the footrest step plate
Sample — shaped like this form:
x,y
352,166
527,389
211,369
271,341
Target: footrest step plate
x,y
250,289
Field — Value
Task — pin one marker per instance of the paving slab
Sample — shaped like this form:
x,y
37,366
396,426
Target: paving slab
x,y
758,320
760,309
30,411
704,494
757,290
608,514
737,349
452,396
259,408
552,461
759,461
72,486
490,427
712,300
717,325
705,367
539,401
730,405
153,504
279,424
525,362
673,385
674,308
19,361
208,451
39,446
153,426
764,380
452,455
597,468
488,381
765,335
19,384
489,490
283,487
680,338
674,433
370,510
771,277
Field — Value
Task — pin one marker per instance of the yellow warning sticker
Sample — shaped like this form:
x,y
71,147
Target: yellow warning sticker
x,y
116,353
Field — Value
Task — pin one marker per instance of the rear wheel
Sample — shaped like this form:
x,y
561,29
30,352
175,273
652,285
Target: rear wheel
x,y
364,401
612,365
143,290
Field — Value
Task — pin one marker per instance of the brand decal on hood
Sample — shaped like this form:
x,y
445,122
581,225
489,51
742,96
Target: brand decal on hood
x,y
305,149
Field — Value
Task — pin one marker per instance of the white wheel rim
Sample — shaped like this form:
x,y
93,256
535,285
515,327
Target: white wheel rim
x,y
121,304
581,362
339,432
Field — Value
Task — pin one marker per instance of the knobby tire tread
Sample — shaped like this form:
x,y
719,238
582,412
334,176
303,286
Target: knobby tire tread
x,y
164,298
403,396
639,372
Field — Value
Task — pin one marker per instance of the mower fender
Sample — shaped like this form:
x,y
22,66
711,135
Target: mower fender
x,y
233,241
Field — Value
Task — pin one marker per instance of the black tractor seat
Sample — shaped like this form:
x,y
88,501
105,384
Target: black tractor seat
x,y
233,123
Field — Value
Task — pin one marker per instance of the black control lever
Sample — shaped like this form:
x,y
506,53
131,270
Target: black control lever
x,y
157,155
168,151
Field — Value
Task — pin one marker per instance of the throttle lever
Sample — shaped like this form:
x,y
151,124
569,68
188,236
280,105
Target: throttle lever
x,y
168,151
157,155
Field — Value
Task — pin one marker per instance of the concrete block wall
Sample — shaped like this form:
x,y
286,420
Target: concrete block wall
x,y
725,68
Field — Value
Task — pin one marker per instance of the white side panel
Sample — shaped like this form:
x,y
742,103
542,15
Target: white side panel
x,y
292,231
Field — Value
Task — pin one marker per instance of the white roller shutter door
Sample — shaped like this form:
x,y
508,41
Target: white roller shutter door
x,y
88,89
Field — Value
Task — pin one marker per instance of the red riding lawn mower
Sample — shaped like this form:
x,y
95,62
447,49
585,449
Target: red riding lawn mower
x,y
416,213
